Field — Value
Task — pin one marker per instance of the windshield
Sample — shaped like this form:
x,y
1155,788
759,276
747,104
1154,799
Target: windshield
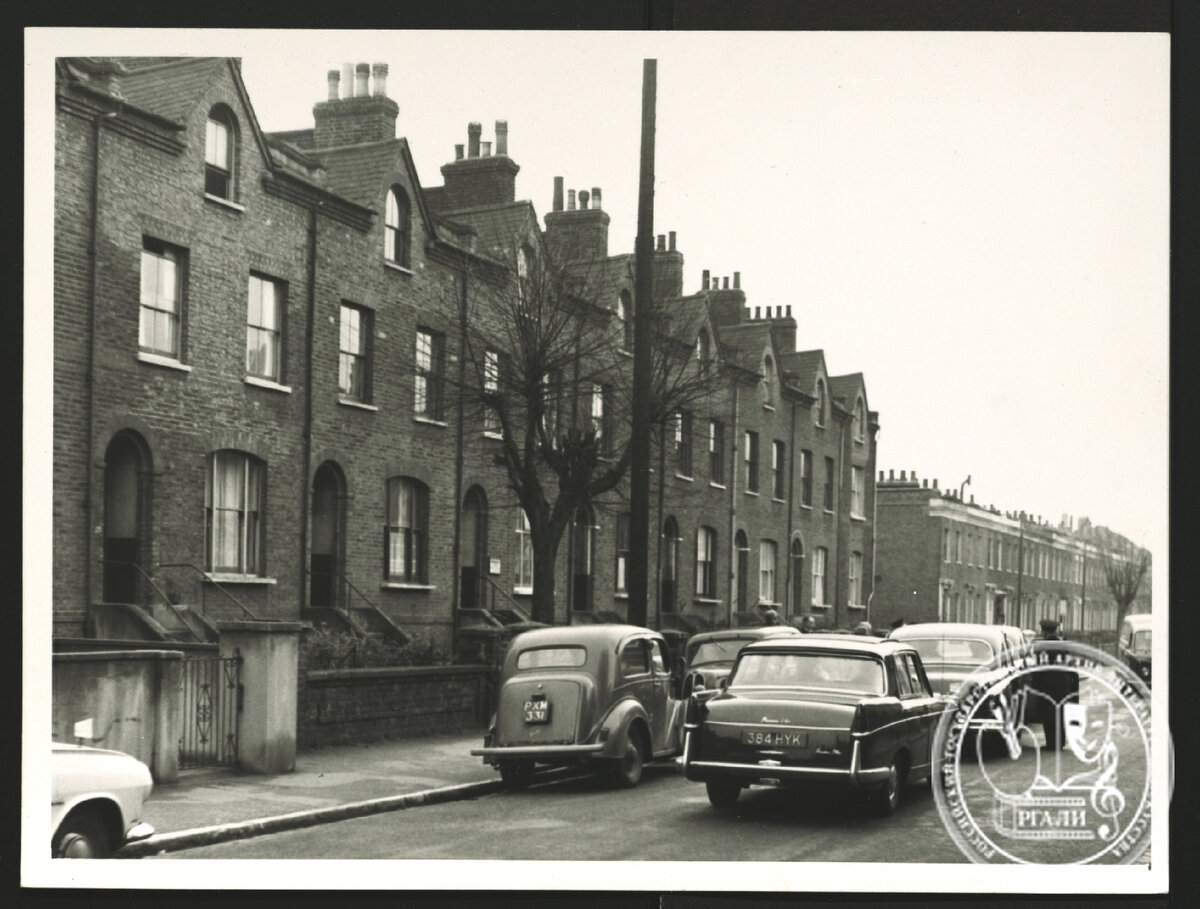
x,y
1141,642
717,651
833,671
551,658
964,651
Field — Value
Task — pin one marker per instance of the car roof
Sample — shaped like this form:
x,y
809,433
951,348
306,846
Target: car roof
x,y
842,643
752,631
955,629
1139,620
578,635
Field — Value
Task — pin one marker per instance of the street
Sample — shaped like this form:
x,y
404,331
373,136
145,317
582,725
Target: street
x,y
666,818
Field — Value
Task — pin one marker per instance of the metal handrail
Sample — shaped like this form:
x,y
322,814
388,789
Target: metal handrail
x,y
208,577
516,607
166,599
375,609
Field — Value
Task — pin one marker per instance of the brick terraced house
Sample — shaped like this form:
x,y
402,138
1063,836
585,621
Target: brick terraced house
x,y
260,344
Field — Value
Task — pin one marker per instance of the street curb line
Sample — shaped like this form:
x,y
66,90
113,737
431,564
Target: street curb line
x,y
222,833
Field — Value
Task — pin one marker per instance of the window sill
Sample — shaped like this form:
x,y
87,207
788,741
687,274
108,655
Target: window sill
x,y
829,511
489,434
713,485
858,517
224,203
395,266
159,360
625,353
854,606
357,405
429,421
523,591
770,407
406,585
806,507
770,604
821,606
752,492
684,477
219,578
706,601
620,595
268,384
779,500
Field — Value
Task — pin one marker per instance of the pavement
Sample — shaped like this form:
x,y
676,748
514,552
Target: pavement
x,y
333,783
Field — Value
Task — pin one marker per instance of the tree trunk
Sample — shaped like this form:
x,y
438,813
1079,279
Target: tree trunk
x,y
545,555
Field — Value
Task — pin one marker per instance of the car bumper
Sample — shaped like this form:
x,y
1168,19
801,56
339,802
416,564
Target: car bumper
x,y
546,753
138,832
852,776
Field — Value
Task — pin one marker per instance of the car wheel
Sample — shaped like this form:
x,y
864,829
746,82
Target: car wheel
x,y
887,797
516,774
82,835
722,793
629,766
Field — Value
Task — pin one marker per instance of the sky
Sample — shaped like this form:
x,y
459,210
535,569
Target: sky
x,y
977,222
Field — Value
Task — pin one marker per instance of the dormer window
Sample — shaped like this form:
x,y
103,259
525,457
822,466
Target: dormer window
x,y
219,144
819,416
396,227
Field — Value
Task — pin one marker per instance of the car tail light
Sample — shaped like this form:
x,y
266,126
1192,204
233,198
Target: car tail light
x,y
858,724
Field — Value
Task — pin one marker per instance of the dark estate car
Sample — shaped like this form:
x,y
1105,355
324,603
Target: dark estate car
x,y
845,710
709,655
584,694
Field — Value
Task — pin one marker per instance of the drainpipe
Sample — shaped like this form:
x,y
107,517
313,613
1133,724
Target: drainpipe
x,y
306,487
89,374
789,608
456,550
733,462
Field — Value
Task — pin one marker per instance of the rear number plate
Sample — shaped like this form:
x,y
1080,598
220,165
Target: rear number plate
x,y
537,711
775,739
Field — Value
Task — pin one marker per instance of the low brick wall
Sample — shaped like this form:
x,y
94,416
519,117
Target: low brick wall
x,y
345,706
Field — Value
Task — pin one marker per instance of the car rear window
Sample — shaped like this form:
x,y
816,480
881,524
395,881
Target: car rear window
x,y
835,671
1141,642
952,650
717,651
551,658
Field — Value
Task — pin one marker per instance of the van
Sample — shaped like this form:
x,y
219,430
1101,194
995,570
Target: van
x,y
1133,644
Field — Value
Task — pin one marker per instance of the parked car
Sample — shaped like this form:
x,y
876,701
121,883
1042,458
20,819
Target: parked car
x,y
952,651
1134,644
709,656
96,801
587,694
818,711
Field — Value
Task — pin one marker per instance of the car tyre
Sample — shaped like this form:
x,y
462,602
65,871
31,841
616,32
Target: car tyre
x,y
629,766
82,835
887,797
517,775
722,793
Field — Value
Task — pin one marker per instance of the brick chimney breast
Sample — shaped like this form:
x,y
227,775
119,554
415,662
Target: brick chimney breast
x,y
357,118
480,179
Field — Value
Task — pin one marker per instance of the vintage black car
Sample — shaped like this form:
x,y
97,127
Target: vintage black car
x,y
848,710
709,656
587,694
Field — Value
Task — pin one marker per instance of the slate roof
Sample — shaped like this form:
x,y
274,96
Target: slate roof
x,y
357,172
744,343
168,88
497,225
802,367
846,387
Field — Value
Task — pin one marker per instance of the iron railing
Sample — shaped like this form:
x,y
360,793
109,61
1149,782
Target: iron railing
x,y
212,699
166,599
211,580
342,604
513,605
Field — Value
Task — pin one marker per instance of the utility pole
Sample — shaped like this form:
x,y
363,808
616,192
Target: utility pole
x,y
639,469
1020,567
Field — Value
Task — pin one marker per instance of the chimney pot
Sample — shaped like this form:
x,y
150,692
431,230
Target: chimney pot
x,y
379,72
596,197
583,199
924,484
485,149
935,483
348,80
737,280
778,309
726,285
903,476
671,241
662,243
746,313
789,310
362,74
334,78
891,474
570,200
458,151
502,137
757,312
704,280
558,193
473,132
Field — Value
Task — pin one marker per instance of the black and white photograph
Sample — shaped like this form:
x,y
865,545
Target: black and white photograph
x,y
583,460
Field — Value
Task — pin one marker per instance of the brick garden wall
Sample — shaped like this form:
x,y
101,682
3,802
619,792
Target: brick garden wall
x,y
343,706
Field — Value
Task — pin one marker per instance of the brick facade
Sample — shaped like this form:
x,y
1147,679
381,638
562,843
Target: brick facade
x,y
137,433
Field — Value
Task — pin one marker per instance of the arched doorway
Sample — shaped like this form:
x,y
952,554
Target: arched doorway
x,y
126,524
741,571
669,583
325,542
473,557
797,557
582,540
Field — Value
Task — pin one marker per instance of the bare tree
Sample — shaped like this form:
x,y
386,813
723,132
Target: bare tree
x,y
547,373
1125,565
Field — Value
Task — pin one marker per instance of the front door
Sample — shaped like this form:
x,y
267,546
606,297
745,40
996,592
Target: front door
x,y
324,568
123,470
473,558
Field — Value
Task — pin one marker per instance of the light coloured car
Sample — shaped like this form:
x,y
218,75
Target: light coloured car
x,y
96,801
1134,644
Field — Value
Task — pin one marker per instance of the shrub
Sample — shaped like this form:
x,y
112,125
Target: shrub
x,y
326,648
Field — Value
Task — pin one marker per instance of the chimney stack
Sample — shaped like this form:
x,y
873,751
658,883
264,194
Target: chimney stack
x,y
379,72
668,269
334,78
474,130
480,178
558,193
502,137
362,73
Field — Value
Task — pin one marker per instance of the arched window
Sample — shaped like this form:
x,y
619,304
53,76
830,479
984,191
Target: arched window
x,y
524,272
860,420
765,384
524,579
706,563
220,140
234,511
819,414
703,347
625,316
407,531
766,571
396,227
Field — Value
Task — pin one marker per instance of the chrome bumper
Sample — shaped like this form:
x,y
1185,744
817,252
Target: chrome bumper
x,y
535,751
138,832
854,775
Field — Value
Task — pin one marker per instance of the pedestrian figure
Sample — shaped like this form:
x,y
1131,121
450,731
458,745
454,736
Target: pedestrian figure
x,y
863,628
899,623
808,625
771,617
